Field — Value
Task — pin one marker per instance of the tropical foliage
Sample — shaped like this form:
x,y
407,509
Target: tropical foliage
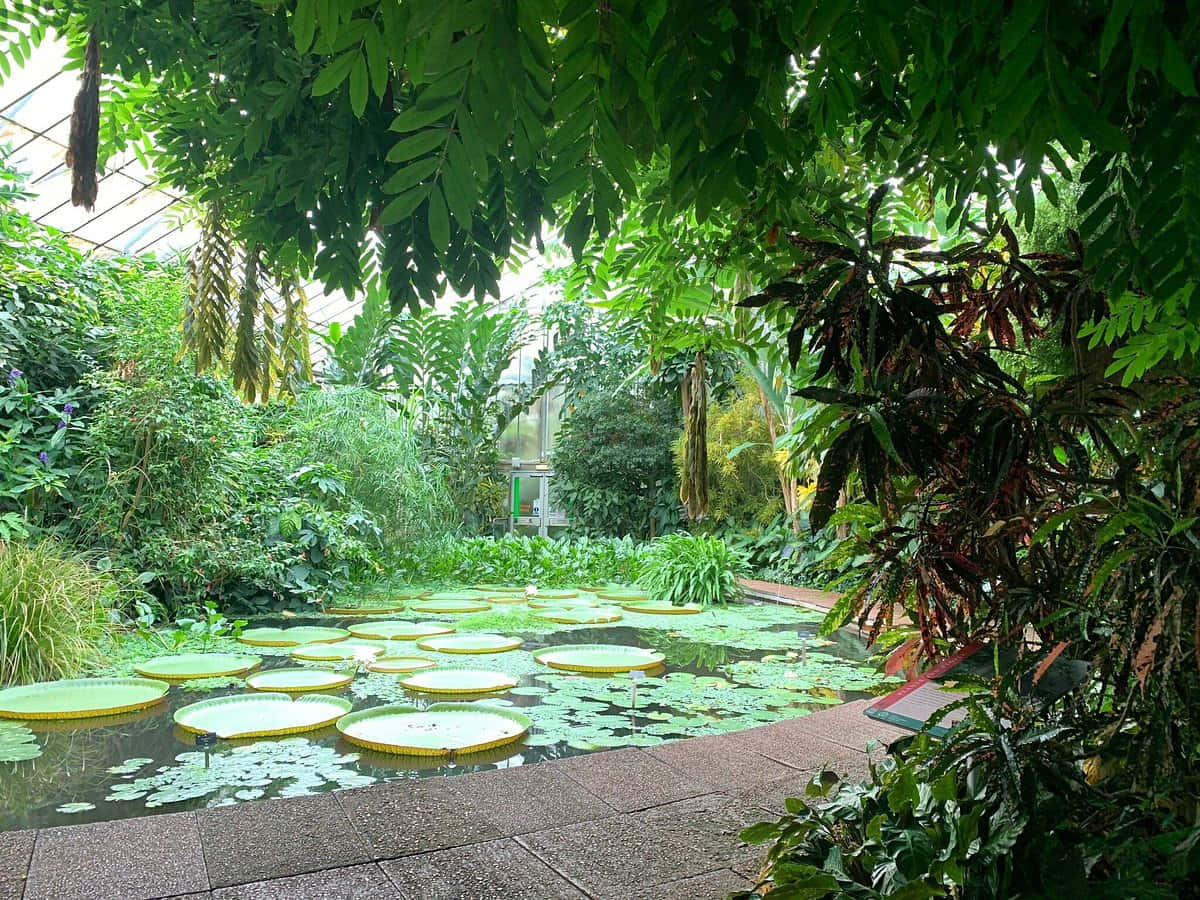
x,y
686,568
522,560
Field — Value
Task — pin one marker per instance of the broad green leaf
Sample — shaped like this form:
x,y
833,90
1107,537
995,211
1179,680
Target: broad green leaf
x,y
334,73
439,221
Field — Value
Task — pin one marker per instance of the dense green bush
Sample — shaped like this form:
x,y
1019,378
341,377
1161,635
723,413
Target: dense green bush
x,y
997,811
54,609
692,568
526,560
180,487
614,465
354,430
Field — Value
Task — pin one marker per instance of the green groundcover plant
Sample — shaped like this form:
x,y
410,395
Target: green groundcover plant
x,y
524,560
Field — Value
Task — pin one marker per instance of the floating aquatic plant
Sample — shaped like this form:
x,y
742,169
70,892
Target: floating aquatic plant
x,y
287,768
75,807
17,742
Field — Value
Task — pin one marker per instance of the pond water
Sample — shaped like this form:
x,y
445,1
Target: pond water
x,y
725,669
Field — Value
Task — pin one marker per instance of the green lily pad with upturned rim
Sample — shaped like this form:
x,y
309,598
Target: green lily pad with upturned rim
x,y
441,607
460,681
291,637
80,698
660,608
547,603
400,665
441,730
474,596
582,615
499,589
343,651
261,715
400,631
622,595
298,680
598,658
503,599
555,594
381,610
471,643
185,666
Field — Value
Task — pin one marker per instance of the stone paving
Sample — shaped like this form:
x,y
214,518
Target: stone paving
x,y
626,824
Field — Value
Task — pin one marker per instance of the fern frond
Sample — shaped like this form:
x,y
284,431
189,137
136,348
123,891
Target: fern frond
x,y
245,366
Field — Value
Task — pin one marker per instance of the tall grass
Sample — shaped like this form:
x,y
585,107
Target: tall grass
x,y
53,612
355,430
692,568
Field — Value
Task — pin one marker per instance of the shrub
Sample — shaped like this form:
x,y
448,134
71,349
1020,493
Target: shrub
x,y
523,560
53,612
354,430
614,470
687,568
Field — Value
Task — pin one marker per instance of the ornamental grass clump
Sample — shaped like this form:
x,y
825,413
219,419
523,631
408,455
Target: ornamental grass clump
x,y
692,568
53,612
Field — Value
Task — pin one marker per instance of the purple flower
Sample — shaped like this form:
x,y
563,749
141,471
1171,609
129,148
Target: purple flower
x,y
68,409
13,375
62,423
44,457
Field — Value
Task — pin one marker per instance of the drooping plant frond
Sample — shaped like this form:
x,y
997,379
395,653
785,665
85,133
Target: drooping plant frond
x,y
267,356
84,142
210,275
246,356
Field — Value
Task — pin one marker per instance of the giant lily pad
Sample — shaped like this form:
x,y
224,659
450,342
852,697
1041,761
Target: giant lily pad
x,y
80,698
261,715
400,631
660,608
451,596
460,681
441,730
343,651
470,643
499,589
444,604
543,594
382,609
298,681
549,603
504,598
399,665
582,615
598,658
185,666
622,595
291,637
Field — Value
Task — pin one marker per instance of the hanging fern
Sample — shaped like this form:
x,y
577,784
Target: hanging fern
x,y
295,360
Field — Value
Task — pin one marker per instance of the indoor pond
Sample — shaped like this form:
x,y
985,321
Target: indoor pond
x,y
722,669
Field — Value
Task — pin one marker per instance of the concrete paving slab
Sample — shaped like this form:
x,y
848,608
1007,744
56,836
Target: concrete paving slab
x,y
202,895
128,859
709,824
363,882
16,849
632,779
718,759
611,858
711,886
847,725
528,798
800,750
403,818
12,888
492,869
276,838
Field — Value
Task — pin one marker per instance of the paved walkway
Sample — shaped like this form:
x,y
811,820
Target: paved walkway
x,y
625,824
786,593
